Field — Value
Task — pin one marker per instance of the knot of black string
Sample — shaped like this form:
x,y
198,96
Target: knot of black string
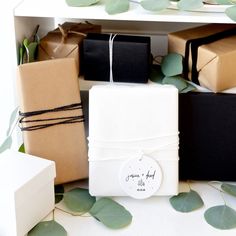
x,y
24,117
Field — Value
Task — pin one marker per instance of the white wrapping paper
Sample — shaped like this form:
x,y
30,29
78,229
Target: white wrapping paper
x,y
129,121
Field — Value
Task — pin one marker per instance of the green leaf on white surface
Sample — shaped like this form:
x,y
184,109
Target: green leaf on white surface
x,y
231,12
79,200
186,201
59,191
229,188
6,144
224,2
81,3
22,148
189,5
221,217
12,119
116,6
156,74
177,81
172,64
48,228
189,88
155,5
111,213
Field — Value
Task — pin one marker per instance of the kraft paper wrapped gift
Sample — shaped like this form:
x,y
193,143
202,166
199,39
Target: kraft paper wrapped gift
x,y
207,128
126,57
212,54
133,140
66,42
44,86
27,192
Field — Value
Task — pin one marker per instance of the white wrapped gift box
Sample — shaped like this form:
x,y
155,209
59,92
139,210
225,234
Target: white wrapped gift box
x,y
133,140
27,192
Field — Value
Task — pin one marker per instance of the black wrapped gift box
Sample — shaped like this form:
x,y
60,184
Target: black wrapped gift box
x,y
131,58
207,125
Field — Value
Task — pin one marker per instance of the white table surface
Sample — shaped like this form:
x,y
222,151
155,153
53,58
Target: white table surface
x,y
153,216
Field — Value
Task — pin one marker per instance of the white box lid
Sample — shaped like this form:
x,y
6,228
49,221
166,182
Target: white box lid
x,y
22,174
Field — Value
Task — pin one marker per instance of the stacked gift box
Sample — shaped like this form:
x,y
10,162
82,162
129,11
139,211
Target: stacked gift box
x,y
207,127
206,120
127,137
136,132
66,41
51,117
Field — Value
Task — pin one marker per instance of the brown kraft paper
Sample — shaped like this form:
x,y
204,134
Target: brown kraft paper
x,y
47,85
66,43
215,62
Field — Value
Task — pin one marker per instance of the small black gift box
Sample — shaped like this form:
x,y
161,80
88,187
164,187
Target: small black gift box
x,y
207,125
130,58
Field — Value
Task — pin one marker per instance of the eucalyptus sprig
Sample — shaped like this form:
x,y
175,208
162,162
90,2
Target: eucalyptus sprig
x,y
6,144
119,6
79,202
170,72
28,48
221,216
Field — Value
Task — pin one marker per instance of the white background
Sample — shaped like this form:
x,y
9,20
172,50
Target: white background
x,y
7,64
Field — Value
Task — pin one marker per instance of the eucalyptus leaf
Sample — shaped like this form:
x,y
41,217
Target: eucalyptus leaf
x,y
22,148
189,5
31,52
26,42
172,64
221,217
155,5
6,144
156,74
12,119
177,81
21,54
79,200
81,3
59,191
229,188
116,6
189,88
111,213
48,228
224,2
231,12
186,201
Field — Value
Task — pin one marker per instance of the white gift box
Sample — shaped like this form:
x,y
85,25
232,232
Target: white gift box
x,y
27,192
133,140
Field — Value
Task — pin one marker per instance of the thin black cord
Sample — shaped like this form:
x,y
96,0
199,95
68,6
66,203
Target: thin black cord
x,y
61,120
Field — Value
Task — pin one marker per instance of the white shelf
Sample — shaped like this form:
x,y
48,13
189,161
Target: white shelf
x,y
59,9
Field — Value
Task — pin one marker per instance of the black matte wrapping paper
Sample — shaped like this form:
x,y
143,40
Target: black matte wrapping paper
x,y
130,58
207,124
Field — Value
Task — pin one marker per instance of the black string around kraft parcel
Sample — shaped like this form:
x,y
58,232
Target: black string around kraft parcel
x,y
57,121
193,45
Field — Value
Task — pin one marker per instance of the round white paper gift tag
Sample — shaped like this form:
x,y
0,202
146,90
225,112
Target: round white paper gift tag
x,y
140,177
